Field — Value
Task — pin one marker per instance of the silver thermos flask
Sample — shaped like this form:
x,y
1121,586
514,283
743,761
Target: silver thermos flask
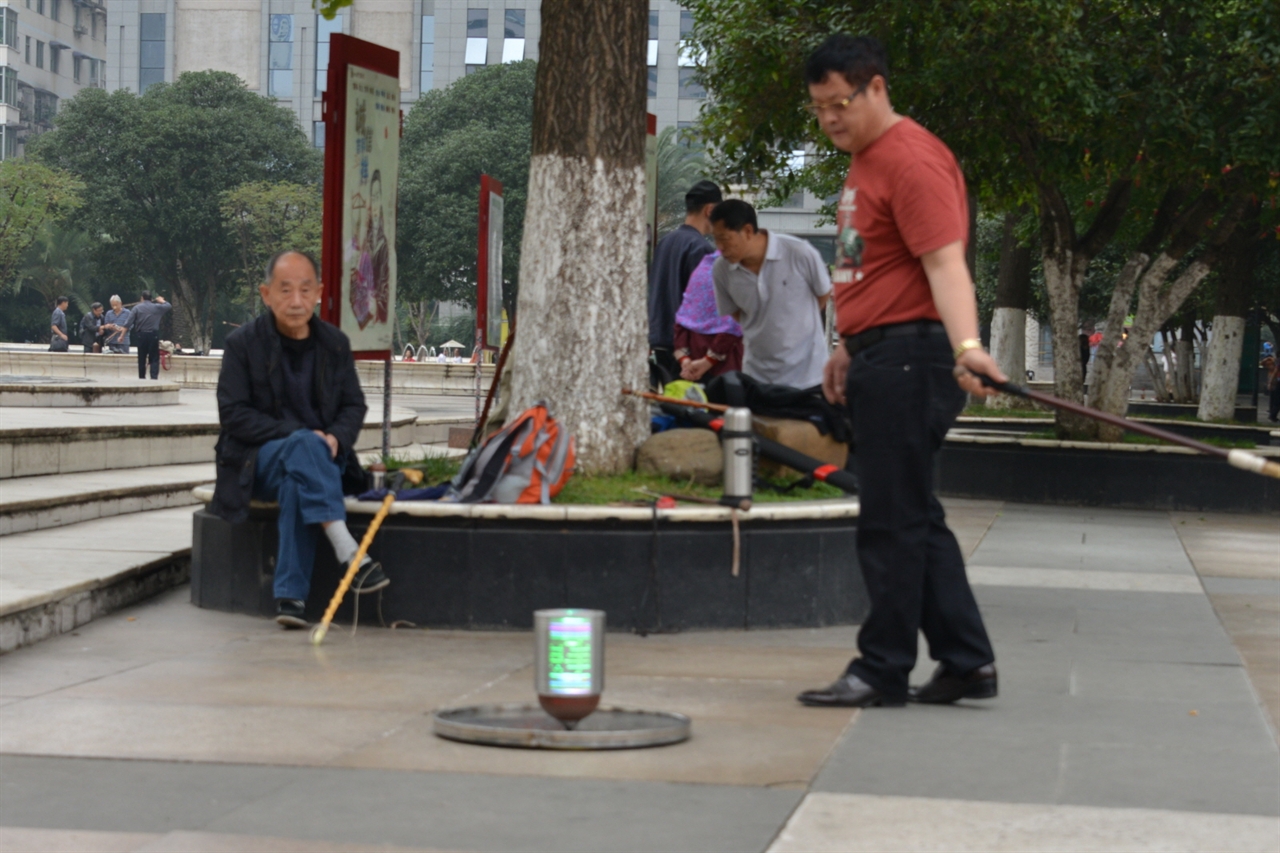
x,y
736,440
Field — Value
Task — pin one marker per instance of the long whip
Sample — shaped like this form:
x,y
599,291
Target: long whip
x,y
1242,459
317,633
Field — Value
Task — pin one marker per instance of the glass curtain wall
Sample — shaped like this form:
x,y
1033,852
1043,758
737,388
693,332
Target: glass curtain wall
x,y
280,57
324,29
426,81
150,52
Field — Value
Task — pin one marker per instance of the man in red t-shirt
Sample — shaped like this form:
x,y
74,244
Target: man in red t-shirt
x,y
906,309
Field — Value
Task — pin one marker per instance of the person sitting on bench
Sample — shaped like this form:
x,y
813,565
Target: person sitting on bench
x,y
291,407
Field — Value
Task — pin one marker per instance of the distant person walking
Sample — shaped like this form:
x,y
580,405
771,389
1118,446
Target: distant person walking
x,y
58,324
116,324
144,324
674,260
1273,388
91,329
776,286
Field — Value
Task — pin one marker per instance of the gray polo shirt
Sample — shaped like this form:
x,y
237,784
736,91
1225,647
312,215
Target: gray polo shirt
x,y
781,324
145,317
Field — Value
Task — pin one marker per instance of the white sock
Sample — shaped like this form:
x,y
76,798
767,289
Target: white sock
x,y
344,544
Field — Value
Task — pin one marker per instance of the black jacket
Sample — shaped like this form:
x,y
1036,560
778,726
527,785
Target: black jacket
x,y
251,406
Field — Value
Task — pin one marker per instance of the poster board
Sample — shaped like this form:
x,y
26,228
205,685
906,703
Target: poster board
x,y
489,265
361,174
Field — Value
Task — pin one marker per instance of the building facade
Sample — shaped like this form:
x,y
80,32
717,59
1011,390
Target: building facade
x,y
280,48
49,50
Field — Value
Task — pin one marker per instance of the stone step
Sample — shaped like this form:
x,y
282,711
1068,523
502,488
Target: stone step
x,y
36,441
40,503
54,581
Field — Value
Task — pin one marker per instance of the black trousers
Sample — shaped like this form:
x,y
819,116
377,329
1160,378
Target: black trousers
x,y
903,399
148,344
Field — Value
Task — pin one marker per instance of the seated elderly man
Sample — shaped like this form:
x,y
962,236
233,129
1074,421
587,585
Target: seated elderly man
x,y
291,408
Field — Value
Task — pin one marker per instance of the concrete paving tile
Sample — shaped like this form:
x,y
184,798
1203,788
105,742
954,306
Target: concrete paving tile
x,y
212,842
1197,686
186,732
1230,545
15,839
127,796
854,823
1083,579
1169,776
725,661
720,752
495,813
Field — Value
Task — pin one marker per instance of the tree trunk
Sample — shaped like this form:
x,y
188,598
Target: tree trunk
x,y
1009,322
1184,351
582,298
1157,375
1221,373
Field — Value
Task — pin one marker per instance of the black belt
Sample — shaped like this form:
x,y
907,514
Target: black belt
x,y
920,328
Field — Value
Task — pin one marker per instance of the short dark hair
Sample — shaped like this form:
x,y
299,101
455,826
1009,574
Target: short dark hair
x,y
701,194
856,58
60,300
95,306
145,296
271,264
735,213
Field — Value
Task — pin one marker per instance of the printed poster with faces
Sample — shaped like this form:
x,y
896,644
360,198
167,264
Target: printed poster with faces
x,y
372,154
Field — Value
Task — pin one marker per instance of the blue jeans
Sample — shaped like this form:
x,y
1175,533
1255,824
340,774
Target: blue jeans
x,y
299,474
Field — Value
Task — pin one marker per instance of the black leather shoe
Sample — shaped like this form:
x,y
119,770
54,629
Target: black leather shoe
x,y
290,612
370,578
848,691
944,688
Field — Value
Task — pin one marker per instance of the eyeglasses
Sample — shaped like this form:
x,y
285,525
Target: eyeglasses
x,y
818,109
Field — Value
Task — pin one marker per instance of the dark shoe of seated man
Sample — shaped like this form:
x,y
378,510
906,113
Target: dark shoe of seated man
x,y
849,691
290,612
946,687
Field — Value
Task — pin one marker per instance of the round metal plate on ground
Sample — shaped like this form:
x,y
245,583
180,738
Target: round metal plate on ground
x,y
528,726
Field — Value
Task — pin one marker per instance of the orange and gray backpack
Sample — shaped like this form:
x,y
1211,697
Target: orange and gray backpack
x,y
527,462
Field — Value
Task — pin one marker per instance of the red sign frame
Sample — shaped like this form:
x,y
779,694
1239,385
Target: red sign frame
x,y
487,185
344,50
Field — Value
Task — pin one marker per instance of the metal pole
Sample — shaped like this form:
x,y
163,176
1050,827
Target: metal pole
x,y
386,407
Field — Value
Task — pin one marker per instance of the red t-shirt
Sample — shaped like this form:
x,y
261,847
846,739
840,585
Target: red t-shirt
x,y
904,198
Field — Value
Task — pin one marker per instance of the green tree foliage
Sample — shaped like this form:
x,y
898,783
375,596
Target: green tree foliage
x,y
264,218
1138,124
155,167
31,197
57,264
681,164
481,124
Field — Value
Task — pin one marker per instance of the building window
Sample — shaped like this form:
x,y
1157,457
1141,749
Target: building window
x,y
690,89
55,9
687,55
54,56
513,35
280,57
324,29
93,20
8,142
9,28
426,81
97,68
27,52
75,68
477,50
653,40
317,134
8,85
653,82
150,52
40,6
39,54
46,108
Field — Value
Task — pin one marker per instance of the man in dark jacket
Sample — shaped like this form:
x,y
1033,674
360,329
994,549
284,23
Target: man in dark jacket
x,y
291,408
674,260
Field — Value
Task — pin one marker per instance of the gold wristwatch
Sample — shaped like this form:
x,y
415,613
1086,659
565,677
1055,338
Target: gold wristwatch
x,y
965,346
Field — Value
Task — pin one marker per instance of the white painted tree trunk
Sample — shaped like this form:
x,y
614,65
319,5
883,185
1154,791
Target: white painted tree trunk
x,y
1008,347
1032,344
1184,352
582,322
1221,371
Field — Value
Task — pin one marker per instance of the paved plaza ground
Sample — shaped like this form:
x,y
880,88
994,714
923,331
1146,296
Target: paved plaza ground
x,y
1139,655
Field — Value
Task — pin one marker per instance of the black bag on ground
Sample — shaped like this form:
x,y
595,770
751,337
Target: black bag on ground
x,y
781,401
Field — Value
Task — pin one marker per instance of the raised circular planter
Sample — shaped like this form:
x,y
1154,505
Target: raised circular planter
x,y
491,566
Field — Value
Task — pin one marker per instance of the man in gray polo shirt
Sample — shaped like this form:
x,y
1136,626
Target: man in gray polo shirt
x,y
776,286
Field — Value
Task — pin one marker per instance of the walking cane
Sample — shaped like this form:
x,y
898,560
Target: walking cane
x,y
317,633
1242,459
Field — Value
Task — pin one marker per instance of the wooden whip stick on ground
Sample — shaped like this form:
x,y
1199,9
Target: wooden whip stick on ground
x,y
676,401
1241,459
317,633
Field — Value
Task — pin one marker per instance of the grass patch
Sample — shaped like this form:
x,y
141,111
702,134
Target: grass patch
x,y
617,488
980,411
